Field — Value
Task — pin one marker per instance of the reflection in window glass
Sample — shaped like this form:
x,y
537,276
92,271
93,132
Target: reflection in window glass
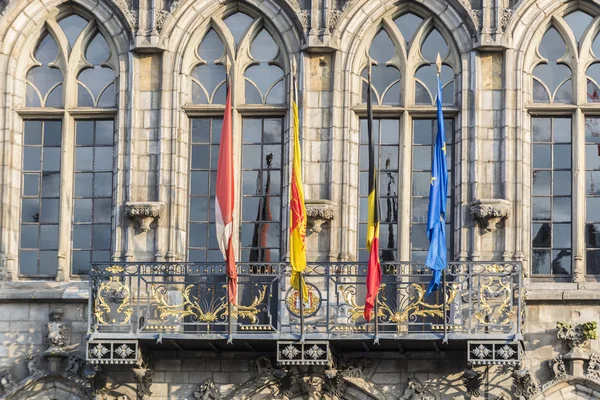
x,y
38,255
592,191
92,200
387,138
261,189
551,196
424,134
204,154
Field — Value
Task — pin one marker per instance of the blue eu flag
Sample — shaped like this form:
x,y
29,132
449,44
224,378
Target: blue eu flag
x,y
438,191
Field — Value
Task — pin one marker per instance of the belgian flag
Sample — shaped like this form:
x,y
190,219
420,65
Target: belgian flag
x,y
374,267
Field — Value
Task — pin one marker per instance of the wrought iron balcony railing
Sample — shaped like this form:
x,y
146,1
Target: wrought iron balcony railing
x,y
141,300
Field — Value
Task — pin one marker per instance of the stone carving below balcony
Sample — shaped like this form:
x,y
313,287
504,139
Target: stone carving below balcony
x,y
143,213
526,387
415,390
318,212
207,391
488,213
472,381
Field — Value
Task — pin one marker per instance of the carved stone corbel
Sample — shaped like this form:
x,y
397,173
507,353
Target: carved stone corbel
x,y
526,387
318,212
578,339
488,213
142,214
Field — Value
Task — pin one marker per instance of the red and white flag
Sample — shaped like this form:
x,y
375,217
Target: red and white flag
x,y
225,198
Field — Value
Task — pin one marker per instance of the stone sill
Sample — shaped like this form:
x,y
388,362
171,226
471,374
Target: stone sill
x,y
41,291
589,291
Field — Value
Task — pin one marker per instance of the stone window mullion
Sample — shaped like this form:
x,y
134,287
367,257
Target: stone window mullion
x,y
579,196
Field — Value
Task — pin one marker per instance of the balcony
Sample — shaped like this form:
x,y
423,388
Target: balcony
x,y
187,302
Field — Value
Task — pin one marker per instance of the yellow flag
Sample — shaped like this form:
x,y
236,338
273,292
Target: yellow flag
x,y
297,211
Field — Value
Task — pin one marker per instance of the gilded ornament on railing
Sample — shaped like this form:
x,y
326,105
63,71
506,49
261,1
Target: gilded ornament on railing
x,y
113,291
207,308
410,306
310,308
250,312
495,306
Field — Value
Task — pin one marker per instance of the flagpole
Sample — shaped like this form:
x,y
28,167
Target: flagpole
x,y
370,105
438,62
301,291
230,304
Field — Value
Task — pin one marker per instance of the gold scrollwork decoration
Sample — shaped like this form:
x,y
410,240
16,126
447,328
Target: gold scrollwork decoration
x,y
190,306
412,304
495,301
250,312
210,310
113,290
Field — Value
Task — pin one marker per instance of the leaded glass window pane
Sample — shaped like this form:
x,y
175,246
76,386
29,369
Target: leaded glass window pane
x,y
387,138
260,236
40,191
92,202
551,184
424,134
204,153
552,80
592,191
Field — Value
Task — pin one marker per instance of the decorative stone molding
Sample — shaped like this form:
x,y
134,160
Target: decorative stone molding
x,y
526,387
415,390
488,213
74,371
472,381
507,14
557,365
130,13
593,370
318,212
578,335
143,213
207,391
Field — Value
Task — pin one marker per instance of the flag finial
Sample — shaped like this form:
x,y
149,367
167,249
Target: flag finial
x,y
438,62
369,62
294,66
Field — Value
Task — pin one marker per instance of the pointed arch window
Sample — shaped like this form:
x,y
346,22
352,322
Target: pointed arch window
x,y
565,155
404,92
68,150
257,65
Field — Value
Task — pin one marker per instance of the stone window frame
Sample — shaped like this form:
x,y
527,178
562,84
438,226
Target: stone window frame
x,y
406,113
240,110
578,110
101,20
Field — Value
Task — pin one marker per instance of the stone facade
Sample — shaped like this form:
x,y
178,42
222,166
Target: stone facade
x,y
44,321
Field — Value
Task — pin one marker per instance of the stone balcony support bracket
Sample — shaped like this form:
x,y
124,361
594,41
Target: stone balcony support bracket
x,y
488,213
142,214
318,212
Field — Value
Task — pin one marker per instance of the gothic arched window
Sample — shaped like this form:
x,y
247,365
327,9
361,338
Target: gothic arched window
x,y
68,157
245,46
565,146
404,92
